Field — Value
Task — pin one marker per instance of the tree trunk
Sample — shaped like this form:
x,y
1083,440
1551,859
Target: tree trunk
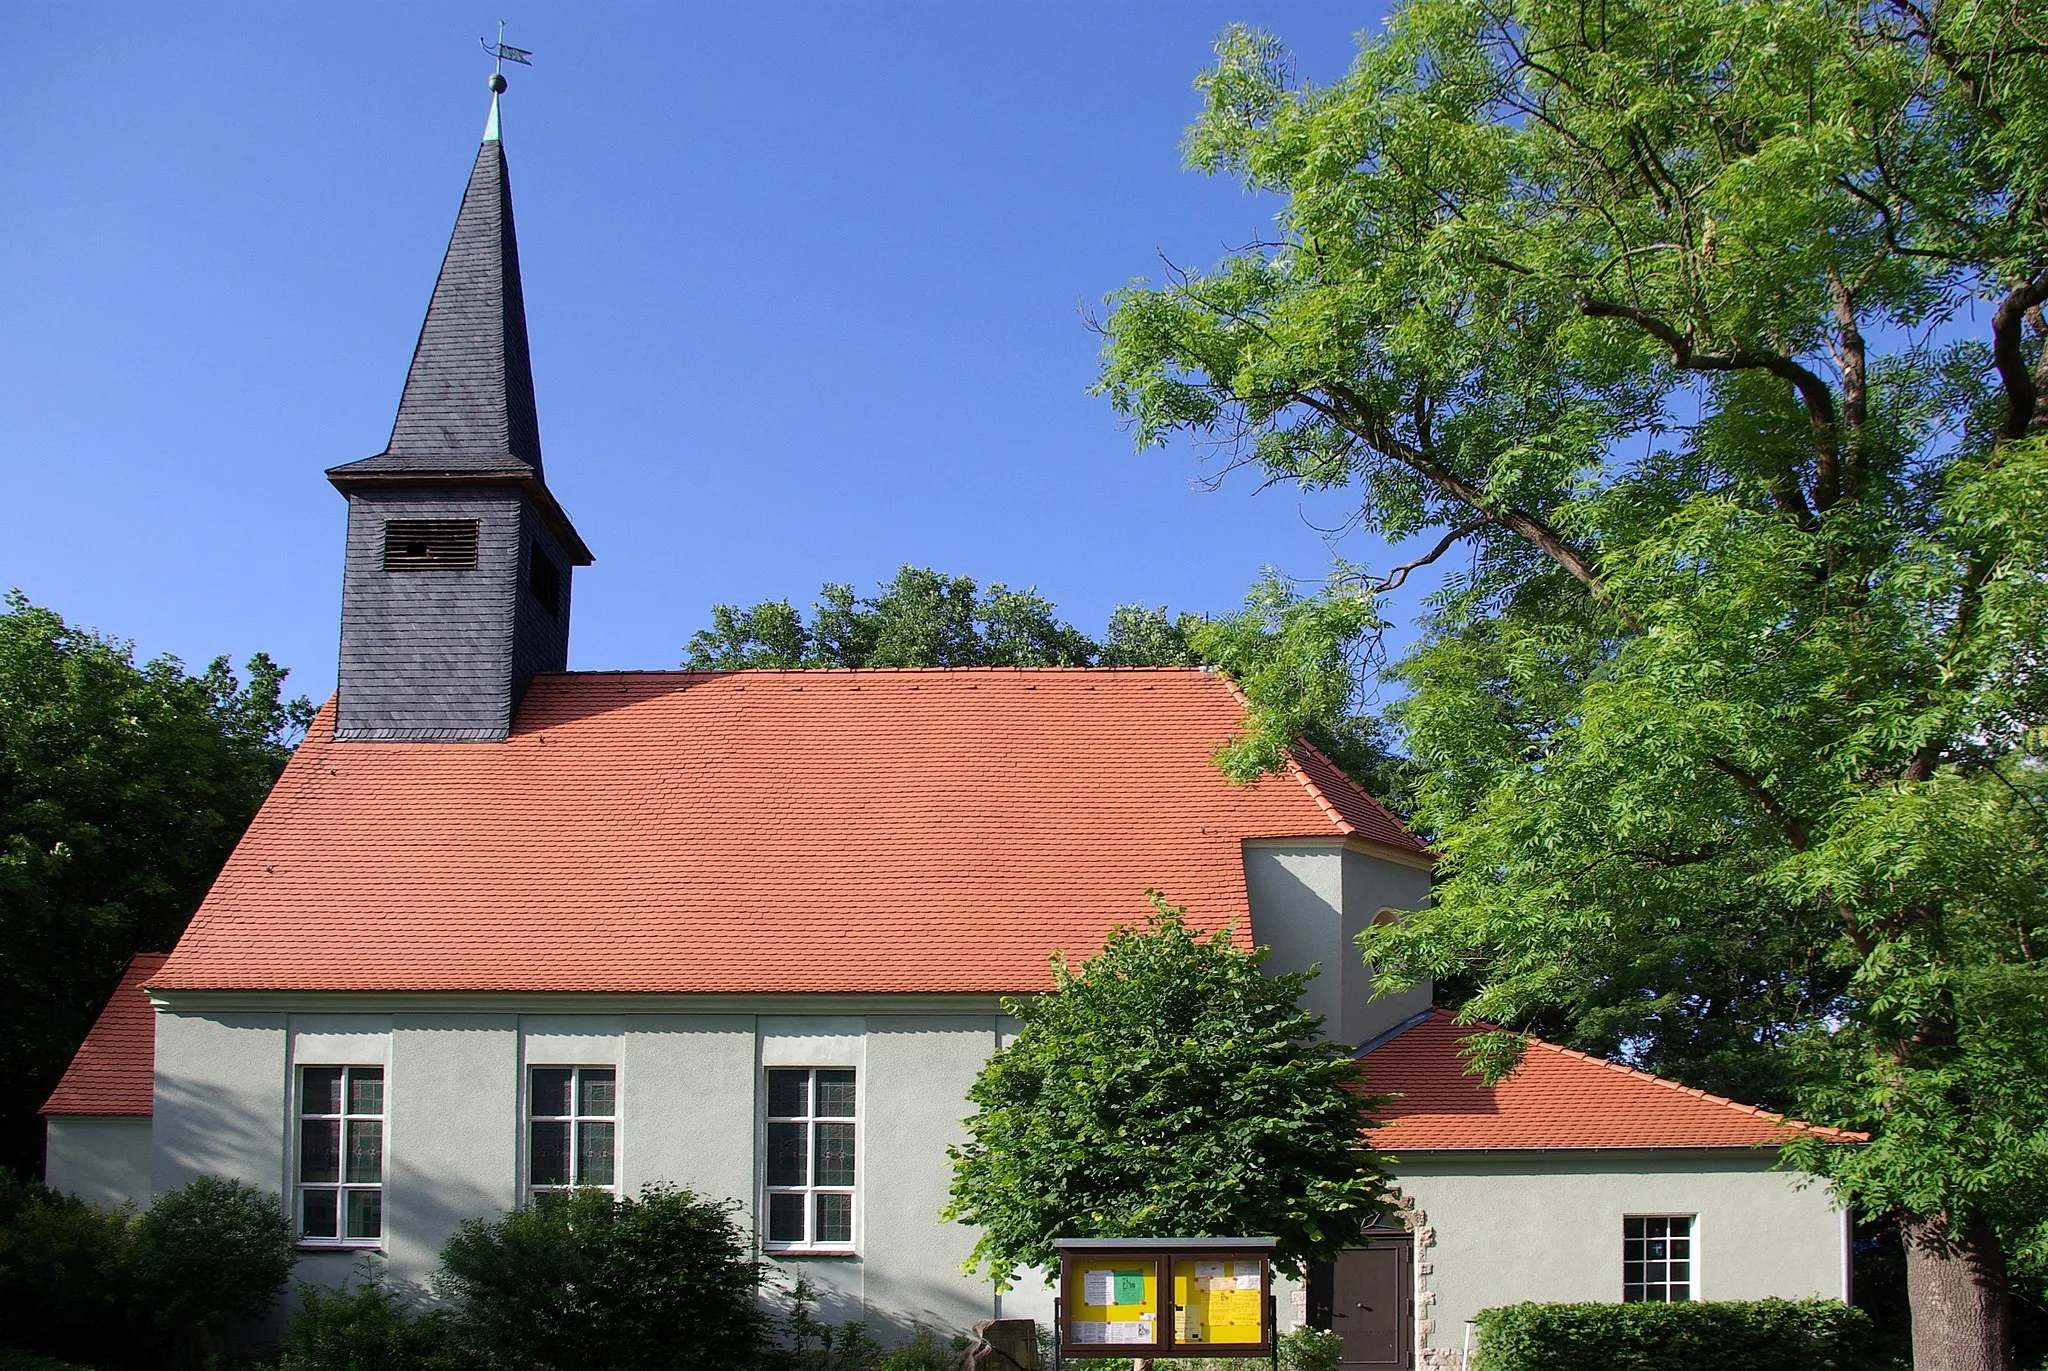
x,y
1955,1283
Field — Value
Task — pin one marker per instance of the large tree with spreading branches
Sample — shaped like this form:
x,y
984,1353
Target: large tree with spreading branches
x,y
1699,345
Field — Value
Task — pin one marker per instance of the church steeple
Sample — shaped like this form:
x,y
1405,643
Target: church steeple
x,y
468,401
456,585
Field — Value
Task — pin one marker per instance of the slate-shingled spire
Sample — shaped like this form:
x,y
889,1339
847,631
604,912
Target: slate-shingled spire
x,y
468,402
456,585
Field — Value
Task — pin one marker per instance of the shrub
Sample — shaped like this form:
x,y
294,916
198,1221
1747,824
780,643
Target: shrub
x,y
367,1327
584,1282
114,1289
1309,1349
1761,1335
210,1254
66,1279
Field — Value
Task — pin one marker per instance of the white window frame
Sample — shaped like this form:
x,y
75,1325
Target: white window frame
x,y
1669,1291
342,1186
810,1190
576,1119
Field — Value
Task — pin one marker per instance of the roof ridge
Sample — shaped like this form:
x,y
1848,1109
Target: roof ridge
x,y
875,670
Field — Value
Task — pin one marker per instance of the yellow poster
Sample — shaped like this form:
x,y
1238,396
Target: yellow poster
x,y
1113,1301
1218,1301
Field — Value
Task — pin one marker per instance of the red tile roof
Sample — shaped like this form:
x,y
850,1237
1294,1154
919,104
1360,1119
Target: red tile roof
x,y
1556,1098
114,1069
804,831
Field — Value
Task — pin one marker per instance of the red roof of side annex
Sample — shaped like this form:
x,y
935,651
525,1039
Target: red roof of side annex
x,y
1556,1099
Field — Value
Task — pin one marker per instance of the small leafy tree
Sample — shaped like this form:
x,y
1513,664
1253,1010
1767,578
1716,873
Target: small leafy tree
x,y
1167,1087
585,1282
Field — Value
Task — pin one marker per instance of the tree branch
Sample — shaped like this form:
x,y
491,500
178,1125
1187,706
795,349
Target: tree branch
x,y
1814,395
2009,354
1794,829
1399,575
1347,409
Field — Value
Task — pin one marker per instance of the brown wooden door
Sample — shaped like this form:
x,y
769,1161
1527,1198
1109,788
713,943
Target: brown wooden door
x,y
1372,1303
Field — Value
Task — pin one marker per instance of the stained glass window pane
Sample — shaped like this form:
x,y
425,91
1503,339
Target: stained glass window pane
x,y
835,1094
320,1090
788,1094
785,1218
788,1159
598,1089
366,1090
551,1091
365,1151
319,1150
594,1154
317,1214
547,1154
835,1154
365,1213
835,1218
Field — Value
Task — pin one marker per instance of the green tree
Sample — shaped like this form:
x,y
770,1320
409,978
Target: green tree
x,y
123,787
1710,333
920,618
1167,1087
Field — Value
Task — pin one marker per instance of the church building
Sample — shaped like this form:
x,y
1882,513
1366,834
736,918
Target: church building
x,y
503,928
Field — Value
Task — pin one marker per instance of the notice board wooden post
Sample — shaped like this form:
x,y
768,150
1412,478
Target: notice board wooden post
x,y
1162,1297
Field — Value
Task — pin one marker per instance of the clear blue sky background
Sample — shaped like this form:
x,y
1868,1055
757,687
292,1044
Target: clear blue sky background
x,y
805,287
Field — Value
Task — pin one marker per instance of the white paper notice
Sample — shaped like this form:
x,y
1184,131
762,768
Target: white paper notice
x,y
1203,1269
1098,1287
1250,1282
1133,1331
1090,1331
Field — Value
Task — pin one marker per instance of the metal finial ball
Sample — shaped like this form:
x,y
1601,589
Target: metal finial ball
x,y
498,83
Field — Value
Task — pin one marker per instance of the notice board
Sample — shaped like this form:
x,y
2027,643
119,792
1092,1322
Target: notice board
x,y
1162,1296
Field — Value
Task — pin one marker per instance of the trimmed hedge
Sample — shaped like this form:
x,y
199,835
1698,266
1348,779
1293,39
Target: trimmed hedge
x,y
1728,1335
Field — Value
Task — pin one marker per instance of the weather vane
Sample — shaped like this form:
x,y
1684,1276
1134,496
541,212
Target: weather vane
x,y
501,53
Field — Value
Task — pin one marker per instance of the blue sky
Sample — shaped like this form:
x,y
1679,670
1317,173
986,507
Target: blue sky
x,y
805,285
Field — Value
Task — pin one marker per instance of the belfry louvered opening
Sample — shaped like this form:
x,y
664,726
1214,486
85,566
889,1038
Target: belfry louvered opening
x,y
430,545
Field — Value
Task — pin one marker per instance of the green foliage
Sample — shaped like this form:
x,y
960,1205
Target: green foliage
x,y
118,1289
1297,659
66,1275
585,1282
123,786
1761,1335
1167,1087
210,1254
1708,335
367,1326
926,618
1311,1349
